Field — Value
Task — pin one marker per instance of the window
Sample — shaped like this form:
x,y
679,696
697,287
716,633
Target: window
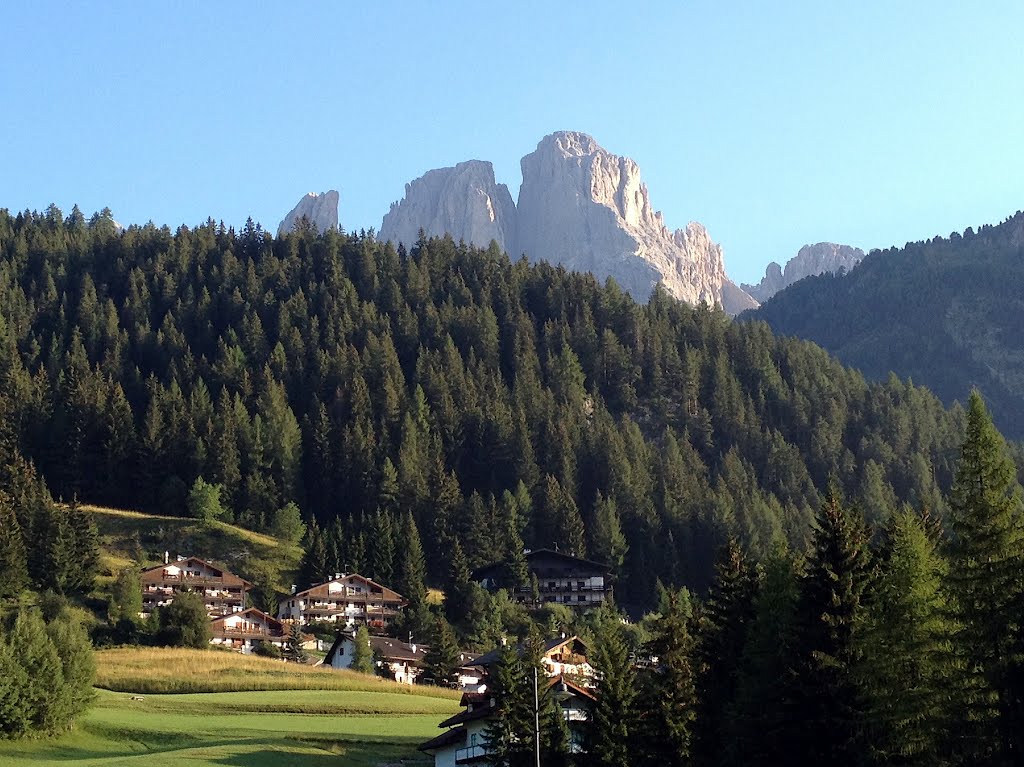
x,y
580,584
551,584
581,598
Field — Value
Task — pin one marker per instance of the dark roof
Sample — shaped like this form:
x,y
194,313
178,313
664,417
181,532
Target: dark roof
x,y
390,649
479,711
568,559
490,658
458,735
571,687
473,698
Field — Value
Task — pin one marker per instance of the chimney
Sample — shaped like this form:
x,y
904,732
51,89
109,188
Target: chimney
x,y
167,557
337,576
294,588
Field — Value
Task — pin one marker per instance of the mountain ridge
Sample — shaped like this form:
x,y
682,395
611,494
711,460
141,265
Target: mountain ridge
x,y
945,312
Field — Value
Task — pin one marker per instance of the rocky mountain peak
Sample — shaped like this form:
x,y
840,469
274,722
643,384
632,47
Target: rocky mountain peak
x,y
579,206
463,201
588,209
320,209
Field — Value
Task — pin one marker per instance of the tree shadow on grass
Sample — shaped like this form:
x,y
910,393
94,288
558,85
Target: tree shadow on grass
x,y
335,753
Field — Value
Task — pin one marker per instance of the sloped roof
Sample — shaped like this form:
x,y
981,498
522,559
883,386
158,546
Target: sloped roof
x,y
155,573
479,711
569,685
458,735
251,612
550,646
323,589
392,650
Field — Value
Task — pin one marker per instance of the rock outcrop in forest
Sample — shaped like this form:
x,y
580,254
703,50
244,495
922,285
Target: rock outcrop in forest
x,y
811,260
580,207
320,209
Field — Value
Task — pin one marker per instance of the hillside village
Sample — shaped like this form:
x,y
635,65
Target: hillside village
x,y
349,600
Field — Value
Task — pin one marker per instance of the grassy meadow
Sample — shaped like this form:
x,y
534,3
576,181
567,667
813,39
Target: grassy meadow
x,y
175,670
248,711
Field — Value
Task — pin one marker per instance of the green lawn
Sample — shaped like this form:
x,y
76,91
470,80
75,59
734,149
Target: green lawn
x,y
243,728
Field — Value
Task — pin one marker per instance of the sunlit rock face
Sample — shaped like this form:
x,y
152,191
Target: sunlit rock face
x,y
810,260
587,209
580,207
320,209
463,201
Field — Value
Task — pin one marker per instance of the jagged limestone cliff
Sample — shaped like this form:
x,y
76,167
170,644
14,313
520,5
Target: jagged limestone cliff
x,y
320,209
463,201
587,209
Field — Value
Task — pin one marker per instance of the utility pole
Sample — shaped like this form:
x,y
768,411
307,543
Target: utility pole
x,y
536,717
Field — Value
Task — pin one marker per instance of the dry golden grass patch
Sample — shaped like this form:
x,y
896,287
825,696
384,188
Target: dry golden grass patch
x,y
175,670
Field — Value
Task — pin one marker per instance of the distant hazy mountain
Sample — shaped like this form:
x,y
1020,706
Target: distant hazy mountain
x,y
579,206
947,312
811,260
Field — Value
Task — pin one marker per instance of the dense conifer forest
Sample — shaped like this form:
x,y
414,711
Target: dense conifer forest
x,y
442,392
832,570
946,313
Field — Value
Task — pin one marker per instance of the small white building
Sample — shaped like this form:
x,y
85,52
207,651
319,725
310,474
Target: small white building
x,y
404,661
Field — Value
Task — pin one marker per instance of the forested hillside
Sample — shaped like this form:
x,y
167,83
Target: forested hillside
x,y
500,403
947,313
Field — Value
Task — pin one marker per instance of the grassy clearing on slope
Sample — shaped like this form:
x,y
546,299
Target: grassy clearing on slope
x,y
127,537
207,730
176,670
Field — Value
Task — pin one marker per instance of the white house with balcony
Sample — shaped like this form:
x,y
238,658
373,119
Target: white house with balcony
x,y
347,599
221,590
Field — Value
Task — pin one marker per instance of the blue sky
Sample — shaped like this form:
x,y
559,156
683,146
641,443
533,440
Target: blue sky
x,y
774,124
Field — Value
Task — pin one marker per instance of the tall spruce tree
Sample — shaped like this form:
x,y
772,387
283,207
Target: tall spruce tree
x,y
509,736
12,551
669,698
443,657
829,697
908,660
412,569
986,584
725,621
760,730
314,566
613,727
